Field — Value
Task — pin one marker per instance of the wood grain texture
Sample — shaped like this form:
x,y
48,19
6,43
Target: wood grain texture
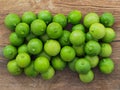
x,y
65,79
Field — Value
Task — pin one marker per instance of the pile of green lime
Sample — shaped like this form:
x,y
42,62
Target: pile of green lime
x,y
40,44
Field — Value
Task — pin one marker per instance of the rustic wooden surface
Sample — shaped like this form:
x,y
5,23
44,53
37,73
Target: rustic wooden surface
x,y
66,79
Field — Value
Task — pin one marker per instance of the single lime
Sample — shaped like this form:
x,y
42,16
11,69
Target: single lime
x,y
38,27
106,65
35,46
64,39
52,47
41,64
22,48
13,68
45,15
58,63
54,30
61,19
67,53
82,66
78,27
74,17
11,20
77,37
15,40
23,60
90,19
9,52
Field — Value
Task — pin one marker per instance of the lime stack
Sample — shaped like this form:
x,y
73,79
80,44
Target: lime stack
x,y
40,44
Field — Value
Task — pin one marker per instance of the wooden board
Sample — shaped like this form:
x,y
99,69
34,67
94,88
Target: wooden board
x,y
64,80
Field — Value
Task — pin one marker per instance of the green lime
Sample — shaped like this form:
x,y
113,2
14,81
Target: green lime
x,y
107,19
87,78
92,48
45,15
48,74
28,17
35,46
72,64
89,37
106,50
13,68
15,40
9,52
43,53
93,60
54,30
41,64
77,37
79,50
30,71
109,36
82,66
11,20
67,53
22,49
78,27
64,39
22,29
90,19
61,19
97,30
52,47
58,63
30,36
74,17
44,37
38,27
106,65
23,60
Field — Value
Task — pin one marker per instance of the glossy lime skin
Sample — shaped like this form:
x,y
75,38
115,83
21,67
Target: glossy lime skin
x,y
72,64
90,19
106,50
92,48
43,53
61,19
77,37
23,60
30,71
22,49
79,50
15,40
89,37
106,65
48,74
64,39
45,15
52,47
58,63
109,36
54,30
87,78
35,46
22,29
82,66
41,64
38,27
74,17
93,60
78,27
67,53
9,52
28,17
97,30
107,19
13,68
11,20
